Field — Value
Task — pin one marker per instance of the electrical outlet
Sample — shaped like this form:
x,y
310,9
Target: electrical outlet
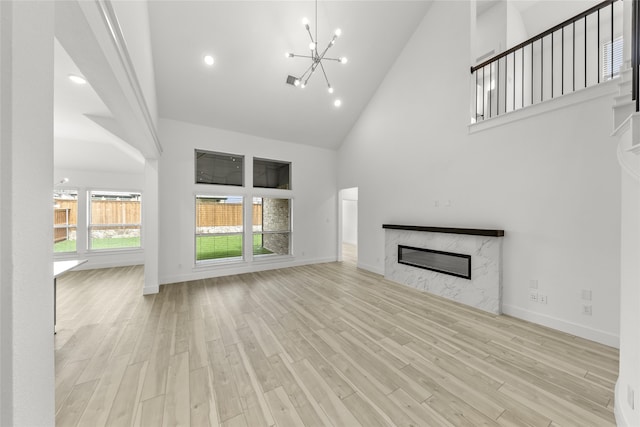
x,y
586,309
533,297
631,397
542,299
586,294
533,284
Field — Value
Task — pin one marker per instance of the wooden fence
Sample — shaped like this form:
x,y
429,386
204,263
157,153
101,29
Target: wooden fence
x,y
208,214
212,214
115,212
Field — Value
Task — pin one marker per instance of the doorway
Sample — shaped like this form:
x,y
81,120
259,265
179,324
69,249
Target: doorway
x,y
349,225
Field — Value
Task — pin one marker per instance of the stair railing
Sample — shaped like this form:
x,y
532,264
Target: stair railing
x,y
579,52
635,52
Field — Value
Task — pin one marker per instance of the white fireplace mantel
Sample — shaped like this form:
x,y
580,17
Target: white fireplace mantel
x,y
482,291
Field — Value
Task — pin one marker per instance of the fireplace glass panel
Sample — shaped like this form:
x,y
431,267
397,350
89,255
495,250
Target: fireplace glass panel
x,y
458,265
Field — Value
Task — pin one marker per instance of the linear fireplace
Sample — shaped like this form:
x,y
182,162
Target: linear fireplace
x,y
438,250
458,265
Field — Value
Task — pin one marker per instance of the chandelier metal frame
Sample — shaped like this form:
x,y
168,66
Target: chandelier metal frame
x,y
316,55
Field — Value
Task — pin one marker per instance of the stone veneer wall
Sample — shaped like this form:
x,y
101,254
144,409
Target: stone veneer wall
x,y
483,291
276,217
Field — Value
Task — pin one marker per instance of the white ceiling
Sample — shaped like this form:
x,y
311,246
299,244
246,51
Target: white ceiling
x,y
245,90
79,143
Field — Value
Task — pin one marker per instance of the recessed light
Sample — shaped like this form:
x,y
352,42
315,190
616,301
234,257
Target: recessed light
x,y
208,59
77,79
337,103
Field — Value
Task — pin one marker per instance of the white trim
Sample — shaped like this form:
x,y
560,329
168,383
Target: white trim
x,y
581,331
119,44
621,420
241,269
150,290
608,88
372,268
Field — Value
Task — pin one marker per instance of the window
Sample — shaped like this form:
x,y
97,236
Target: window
x,y
271,174
219,227
65,220
115,220
219,168
609,55
271,226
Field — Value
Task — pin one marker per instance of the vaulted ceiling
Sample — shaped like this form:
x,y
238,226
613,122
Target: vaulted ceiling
x,y
245,89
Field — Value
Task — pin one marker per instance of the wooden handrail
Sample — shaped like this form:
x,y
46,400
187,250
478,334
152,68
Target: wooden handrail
x,y
543,34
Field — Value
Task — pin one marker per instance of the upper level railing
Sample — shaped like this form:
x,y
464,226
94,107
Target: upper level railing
x,y
635,52
579,52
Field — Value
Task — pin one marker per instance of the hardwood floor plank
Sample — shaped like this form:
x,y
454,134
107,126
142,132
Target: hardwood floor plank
x,y
177,397
75,404
316,345
124,403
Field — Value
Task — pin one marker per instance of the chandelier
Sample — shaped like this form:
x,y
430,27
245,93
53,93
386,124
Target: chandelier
x,y
316,56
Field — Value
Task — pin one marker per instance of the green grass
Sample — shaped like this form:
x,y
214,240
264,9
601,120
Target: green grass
x,y
207,247
216,247
112,243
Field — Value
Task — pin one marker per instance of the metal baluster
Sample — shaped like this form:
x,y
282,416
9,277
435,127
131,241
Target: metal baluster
x,y
498,88
612,44
585,51
542,69
552,65
513,107
490,84
475,106
531,73
484,109
574,57
598,46
562,65
522,70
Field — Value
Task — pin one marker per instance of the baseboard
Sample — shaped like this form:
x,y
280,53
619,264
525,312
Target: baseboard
x,y
372,268
617,408
222,270
581,331
150,290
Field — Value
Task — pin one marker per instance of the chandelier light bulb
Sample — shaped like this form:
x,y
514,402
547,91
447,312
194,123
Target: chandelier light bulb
x,y
338,32
312,45
296,82
330,89
288,55
343,60
303,85
337,103
305,22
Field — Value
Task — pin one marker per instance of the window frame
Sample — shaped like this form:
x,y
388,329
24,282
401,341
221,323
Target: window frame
x,y
67,225
288,232
90,224
219,260
282,162
221,154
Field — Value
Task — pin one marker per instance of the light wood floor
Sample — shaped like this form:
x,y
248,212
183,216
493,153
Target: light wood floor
x,y
323,345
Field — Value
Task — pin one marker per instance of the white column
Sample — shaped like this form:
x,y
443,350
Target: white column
x,y
150,227
26,231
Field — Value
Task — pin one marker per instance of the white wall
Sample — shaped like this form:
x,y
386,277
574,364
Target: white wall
x,y
490,31
551,181
85,181
350,221
314,195
26,168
